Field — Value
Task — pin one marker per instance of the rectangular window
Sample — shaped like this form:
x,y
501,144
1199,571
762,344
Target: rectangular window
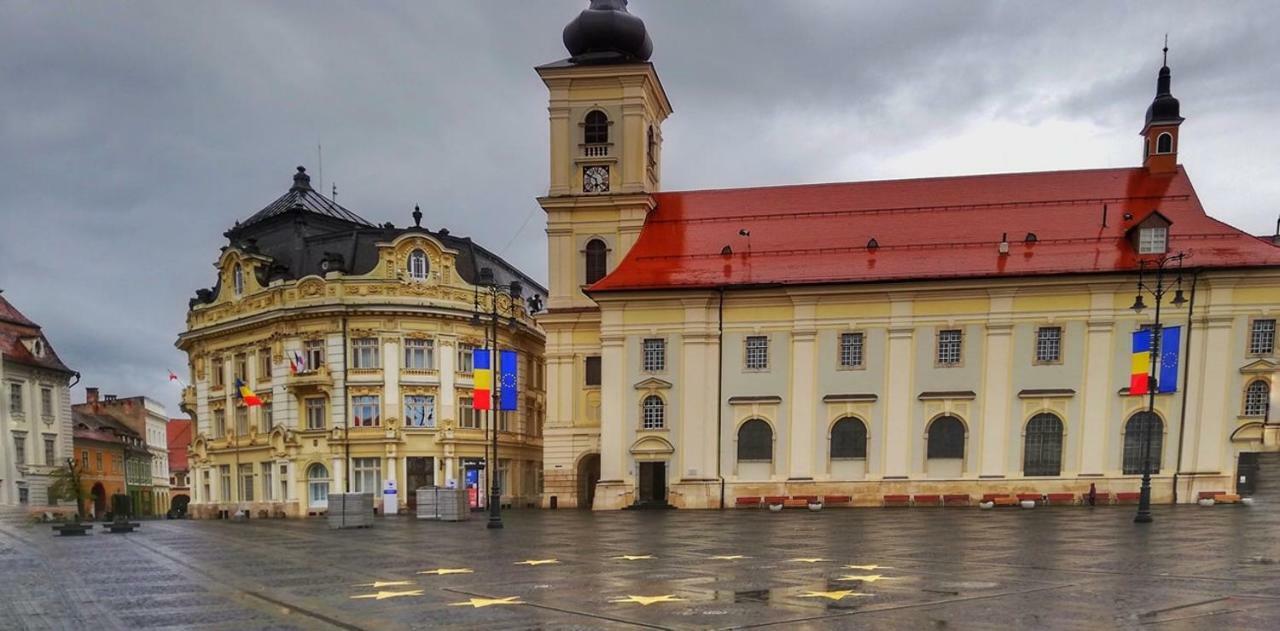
x,y
593,371
1262,337
364,351
50,451
366,411
1152,240
1049,345
466,358
15,399
207,495
267,469
654,355
224,473
20,449
264,364
266,418
757,352
467,416
284,483
219,423
315,412
420,411
419,354
851,345
98,461
949,347
218,371
366,475
242,420
46,402
84,459
313,354
242,367
246,483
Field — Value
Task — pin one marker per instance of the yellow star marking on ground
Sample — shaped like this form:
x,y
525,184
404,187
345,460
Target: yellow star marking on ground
x,y
486,602
386,595
867,567
808,560
729,557
633,557
647,600
381,584
447,570
537,562
868,578
837,595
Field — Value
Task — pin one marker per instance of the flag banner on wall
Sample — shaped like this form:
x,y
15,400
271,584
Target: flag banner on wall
x,y
1167,362
507,390
482,377
250,399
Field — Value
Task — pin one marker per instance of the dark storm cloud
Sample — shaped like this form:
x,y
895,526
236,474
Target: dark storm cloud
x,y
133,134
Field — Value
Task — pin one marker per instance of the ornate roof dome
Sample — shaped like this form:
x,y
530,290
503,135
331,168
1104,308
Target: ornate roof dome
x,y
1164,108
606,33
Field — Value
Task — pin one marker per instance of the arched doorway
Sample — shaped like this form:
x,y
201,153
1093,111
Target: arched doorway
x,y
178,505
98,500
588,476
944,449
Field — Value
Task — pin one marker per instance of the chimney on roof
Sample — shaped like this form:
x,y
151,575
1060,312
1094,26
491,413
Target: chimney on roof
x,y
1160,132
90,395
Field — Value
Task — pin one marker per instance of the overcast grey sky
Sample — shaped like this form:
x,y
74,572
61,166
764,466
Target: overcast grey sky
x,y
133,134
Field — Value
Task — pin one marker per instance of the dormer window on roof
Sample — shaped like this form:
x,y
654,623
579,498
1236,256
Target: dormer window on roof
x,y
237,279
1153,240
418,265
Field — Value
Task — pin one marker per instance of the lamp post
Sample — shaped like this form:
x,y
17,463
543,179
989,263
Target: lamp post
x,y
1157,289
493,290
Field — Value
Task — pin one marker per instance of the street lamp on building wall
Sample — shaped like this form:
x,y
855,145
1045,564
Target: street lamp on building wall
x,y
1157,288
487,285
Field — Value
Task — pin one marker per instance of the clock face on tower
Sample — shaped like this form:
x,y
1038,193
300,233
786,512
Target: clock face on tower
x,y
595,179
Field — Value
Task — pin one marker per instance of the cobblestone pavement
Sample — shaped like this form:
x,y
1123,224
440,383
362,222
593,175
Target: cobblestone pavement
x,y
918,568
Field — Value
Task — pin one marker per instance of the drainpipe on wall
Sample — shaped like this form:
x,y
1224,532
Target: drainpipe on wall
x,y
1186,376
720,395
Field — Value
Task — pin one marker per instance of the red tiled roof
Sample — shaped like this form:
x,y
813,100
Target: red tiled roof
x,y
179,430
14,329
926,229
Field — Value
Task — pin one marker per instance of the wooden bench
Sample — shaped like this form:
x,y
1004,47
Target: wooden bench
x,y
961,499
795,503
1226,498
928,500
828,500
897,500
811,499
991,497
1030,497
1210,495
1005,500
72,529
1060,498
750,502
1126,497
770,500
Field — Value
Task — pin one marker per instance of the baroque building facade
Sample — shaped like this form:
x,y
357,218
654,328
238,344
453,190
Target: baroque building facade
x,y
358,338
961,335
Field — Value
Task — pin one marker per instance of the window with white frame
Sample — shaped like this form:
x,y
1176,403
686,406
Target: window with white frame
x,y
237,279
50,451
366,475
418,265
224,475
313,354
364,352
315,412
241,367
218,371
420,410
949,347
1262,337
419,354
851,350
15,399
268,470
46,402
366,411
264,364
19,448
242,420
655,354
1049,345
317,486
466,358
1153,239
467,416
1256,396
655,412
219,423
284,483
246,482
266,417
757,352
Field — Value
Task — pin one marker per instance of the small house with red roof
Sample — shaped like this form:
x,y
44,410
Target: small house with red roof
x,y
953,336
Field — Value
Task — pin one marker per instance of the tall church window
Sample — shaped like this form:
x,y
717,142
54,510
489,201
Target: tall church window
x,y
317,486
1148,426
596,260
237,279
1042,451
595,129
755,441
1256,397
946,438
655,412
1164,143
418,265
848,439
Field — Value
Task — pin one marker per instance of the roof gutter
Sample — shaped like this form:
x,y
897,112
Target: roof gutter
x,y
720,394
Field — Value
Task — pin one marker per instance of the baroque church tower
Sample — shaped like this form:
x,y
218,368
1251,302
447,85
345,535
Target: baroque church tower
x,y
606,108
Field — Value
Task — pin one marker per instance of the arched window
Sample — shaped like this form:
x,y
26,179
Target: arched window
x,y
237,279
1140,425
655,412
1256,397
1042,454
755,441
595,129
848,439
596,264
1164,143
418,265
318,485
946,438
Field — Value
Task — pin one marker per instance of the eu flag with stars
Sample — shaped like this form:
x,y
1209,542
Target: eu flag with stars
x,y
1170,341
507,380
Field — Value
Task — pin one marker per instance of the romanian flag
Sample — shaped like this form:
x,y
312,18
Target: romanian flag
x,y
250,399
482,377
1166,363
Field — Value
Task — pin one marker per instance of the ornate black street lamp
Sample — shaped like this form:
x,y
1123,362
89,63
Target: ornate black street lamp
x,y
1157,289
493,290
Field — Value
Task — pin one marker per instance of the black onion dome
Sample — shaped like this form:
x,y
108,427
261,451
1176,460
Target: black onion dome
x,y
1164,109
606,33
